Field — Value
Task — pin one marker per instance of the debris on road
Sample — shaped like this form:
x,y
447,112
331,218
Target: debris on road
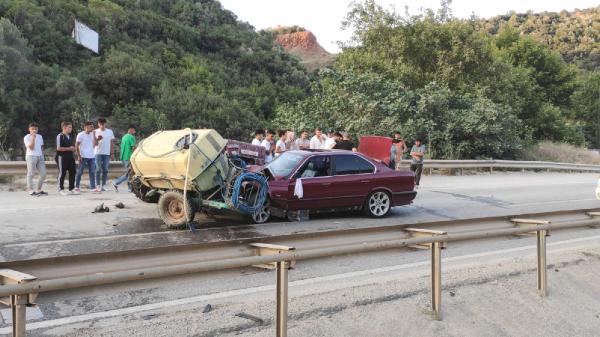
x,y
207,308
250,317
101,209
120,205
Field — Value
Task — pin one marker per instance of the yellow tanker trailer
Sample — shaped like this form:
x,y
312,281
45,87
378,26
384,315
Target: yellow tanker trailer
x,y
187,170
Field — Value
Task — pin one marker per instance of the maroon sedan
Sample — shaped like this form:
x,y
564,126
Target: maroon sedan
x,y
333,180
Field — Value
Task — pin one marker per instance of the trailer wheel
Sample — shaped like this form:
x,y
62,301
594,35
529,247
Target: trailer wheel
x,y
263,215
140,190
171,209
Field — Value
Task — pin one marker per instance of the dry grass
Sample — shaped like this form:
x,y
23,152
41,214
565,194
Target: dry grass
x,y
559,152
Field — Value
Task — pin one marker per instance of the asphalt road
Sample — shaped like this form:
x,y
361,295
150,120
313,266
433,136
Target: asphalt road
x,y
33,219
155,307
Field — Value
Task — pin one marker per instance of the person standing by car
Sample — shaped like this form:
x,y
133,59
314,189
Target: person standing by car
x,y
259,134
127,147
397,151
269,146
65,158
85,142
34,156
344,143
330,140
417,152
303,143
290,140
104,151
317,142
280,145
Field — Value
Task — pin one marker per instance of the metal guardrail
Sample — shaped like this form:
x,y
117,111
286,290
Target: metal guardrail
x,y
20,167
8,168
22,289
510,164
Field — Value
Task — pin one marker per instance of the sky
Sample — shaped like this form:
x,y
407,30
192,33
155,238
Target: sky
x,y
324,17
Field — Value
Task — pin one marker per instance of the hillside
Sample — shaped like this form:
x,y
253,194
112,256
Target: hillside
x,y
575,35
162,64
303,44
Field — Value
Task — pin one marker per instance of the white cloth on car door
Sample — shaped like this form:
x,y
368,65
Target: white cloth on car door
x,y
298,191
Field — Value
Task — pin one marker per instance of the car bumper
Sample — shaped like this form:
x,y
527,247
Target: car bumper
x,y
403,198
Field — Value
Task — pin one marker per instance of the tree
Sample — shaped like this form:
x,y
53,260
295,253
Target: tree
x,y
587,106
456,126
177,63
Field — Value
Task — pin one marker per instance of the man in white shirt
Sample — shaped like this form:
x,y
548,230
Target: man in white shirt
x,y
269,146
280,145
303,143
259,134
84,148
104,152
330,141
34,156
318,140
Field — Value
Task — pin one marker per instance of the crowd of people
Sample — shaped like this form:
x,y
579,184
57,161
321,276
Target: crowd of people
x,y
287,140
93,148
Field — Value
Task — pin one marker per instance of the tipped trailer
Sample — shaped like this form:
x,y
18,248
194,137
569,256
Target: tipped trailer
x,y
186,171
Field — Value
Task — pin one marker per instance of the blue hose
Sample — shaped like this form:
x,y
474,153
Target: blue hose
x,y
261,194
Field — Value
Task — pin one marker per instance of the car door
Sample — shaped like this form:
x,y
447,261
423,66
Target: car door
x,y
316,176
352,179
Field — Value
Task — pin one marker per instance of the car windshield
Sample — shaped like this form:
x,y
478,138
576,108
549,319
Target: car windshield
x,y
283,165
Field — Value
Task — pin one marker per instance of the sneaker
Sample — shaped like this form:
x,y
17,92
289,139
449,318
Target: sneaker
x,y
33,193
63,193
42,193
76,190
97,190
115,186
103,189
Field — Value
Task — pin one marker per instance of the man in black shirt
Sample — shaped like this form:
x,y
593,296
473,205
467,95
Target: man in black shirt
x,y
65,160
344,142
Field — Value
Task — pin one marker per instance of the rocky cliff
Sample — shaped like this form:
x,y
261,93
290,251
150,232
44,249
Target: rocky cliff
x,y
303,44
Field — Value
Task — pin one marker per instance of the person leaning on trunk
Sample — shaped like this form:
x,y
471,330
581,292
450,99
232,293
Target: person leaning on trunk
x,y
417,152
397,151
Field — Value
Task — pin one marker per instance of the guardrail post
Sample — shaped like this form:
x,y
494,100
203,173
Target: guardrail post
x,y
282,267
436,265
17,303
436,279
282,298
541,259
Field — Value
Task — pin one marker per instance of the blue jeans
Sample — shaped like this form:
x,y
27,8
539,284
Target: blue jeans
x,y
90,163
102,161
125,175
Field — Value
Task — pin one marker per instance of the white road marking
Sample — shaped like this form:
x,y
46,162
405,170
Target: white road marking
x,y
254,290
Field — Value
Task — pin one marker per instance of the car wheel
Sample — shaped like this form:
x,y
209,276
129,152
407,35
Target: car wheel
x,y
263,215
378,204
172,211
